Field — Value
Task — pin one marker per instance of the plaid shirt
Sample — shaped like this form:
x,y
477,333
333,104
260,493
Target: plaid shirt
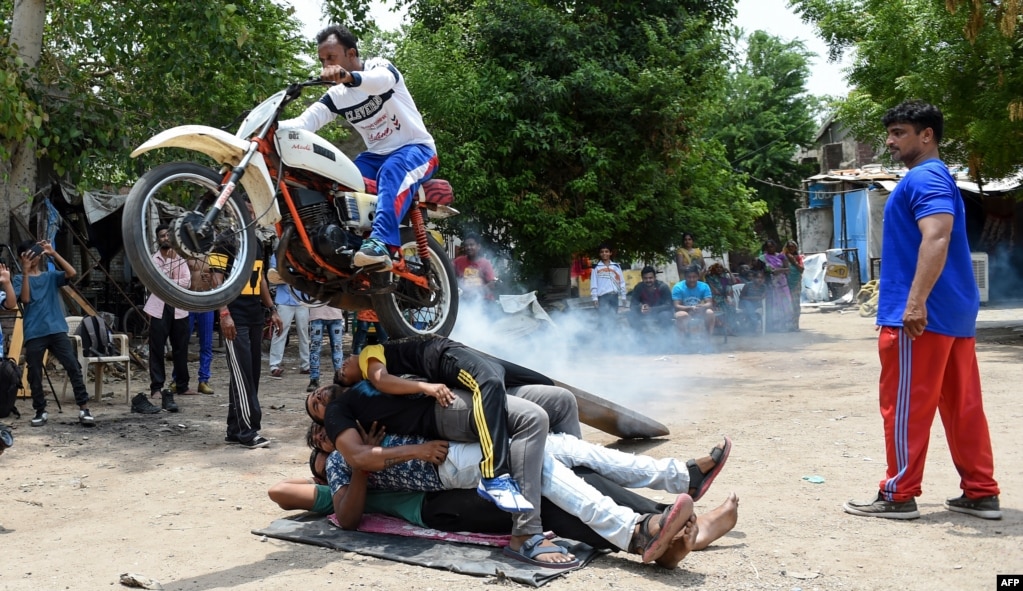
x,y
413,475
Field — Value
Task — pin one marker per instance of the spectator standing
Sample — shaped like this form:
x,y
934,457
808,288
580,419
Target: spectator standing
x,y
45,328
7,299
688,255
364,320
289,307
779,300
241,324
607,289
927,317
202,324
475,274
329,320
795,278
167,321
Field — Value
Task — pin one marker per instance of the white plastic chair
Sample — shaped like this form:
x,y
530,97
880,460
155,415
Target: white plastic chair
x,y
120,341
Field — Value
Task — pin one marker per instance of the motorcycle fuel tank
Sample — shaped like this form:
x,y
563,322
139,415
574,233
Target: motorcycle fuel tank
x,y
306,150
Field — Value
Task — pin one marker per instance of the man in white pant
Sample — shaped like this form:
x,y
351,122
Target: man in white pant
x,y
289,308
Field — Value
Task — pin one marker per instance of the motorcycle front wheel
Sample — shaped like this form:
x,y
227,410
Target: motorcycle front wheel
x,y
176,194
410,310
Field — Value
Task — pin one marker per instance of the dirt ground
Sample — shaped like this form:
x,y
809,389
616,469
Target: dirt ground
x,y
162,495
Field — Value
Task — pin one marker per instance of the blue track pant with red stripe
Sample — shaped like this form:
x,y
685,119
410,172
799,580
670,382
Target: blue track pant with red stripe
x,y
932,373
398,176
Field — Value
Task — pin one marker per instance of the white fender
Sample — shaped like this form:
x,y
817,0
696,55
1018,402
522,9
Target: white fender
x,y
224,148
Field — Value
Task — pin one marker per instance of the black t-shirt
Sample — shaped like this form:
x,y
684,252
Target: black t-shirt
x,y
401,415
419,356
247,308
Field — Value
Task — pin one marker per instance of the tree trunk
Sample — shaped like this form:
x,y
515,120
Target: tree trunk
x,y
17,191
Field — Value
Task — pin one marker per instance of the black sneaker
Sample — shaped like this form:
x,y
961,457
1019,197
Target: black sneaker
x,y
141,404
40,419
313,385
984,507
882,508
167,401
255,443
231,440
85,418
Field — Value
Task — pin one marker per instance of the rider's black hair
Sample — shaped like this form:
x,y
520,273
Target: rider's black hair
x,y
342,34
919,114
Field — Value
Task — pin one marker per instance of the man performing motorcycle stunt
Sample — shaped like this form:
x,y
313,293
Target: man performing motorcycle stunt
x,y
400,153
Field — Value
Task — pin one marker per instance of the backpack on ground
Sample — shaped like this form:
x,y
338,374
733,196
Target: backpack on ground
x,y
97,340
10,383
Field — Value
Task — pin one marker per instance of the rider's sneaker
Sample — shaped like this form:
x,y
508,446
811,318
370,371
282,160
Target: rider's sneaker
x,y
504,492
373,252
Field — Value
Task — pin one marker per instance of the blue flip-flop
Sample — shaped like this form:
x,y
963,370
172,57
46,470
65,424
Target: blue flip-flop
x,y
703,481
531,548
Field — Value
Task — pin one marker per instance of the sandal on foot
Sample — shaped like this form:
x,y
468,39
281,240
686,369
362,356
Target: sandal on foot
x,y
672,520
700,482
531,548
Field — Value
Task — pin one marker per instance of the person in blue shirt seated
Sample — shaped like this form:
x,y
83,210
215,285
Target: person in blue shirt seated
x,y
693,300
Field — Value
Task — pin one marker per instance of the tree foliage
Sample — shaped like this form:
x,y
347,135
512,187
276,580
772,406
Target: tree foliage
x,y
770,116
564,125
965,56
114,73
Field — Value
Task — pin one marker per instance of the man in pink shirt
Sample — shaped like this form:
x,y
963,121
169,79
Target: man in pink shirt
x,y
474,272
166,321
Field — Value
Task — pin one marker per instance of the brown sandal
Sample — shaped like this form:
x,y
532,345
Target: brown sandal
x,y
651,546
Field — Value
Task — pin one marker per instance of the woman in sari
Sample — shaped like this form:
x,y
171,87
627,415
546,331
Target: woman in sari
x,y
779,299
689,255
795,278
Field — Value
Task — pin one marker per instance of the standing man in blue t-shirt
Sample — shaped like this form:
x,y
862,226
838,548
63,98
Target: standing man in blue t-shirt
x,y
692,300
46,327
927,315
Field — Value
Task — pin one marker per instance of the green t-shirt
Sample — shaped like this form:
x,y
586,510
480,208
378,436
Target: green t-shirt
x,y
403,505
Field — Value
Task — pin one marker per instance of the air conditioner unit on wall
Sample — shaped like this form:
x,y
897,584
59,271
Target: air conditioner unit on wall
x,y
980,273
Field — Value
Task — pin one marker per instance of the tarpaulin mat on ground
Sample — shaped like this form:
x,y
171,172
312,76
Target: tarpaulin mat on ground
x,y
469,559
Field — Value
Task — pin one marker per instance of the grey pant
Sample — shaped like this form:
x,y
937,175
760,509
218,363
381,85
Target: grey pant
x,y
527,427
560,405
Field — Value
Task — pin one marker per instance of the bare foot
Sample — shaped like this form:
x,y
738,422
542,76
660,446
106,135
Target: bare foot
x,y
681,545
717,522
515,543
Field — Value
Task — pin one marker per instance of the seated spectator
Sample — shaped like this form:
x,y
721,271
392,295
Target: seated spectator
x,y
751,300
720,282
693,302
650,305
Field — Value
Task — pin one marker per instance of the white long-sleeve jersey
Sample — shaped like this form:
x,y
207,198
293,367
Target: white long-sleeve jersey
x,y
605,279
377,104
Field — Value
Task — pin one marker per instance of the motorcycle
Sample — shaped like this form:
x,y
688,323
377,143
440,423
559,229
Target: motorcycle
x,y
320,206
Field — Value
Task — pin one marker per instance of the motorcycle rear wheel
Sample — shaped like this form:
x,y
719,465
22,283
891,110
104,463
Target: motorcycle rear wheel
x,y
163,196
403,312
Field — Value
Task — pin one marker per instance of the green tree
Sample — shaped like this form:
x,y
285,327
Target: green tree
x,y
565,125
770,116
111,74
964,56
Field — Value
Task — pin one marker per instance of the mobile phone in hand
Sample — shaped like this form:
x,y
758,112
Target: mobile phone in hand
x,y
36,250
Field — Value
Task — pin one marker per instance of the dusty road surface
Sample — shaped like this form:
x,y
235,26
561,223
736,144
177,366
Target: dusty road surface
x,y
162,495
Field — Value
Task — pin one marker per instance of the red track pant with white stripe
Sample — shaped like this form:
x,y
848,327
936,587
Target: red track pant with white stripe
x,y
918,377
